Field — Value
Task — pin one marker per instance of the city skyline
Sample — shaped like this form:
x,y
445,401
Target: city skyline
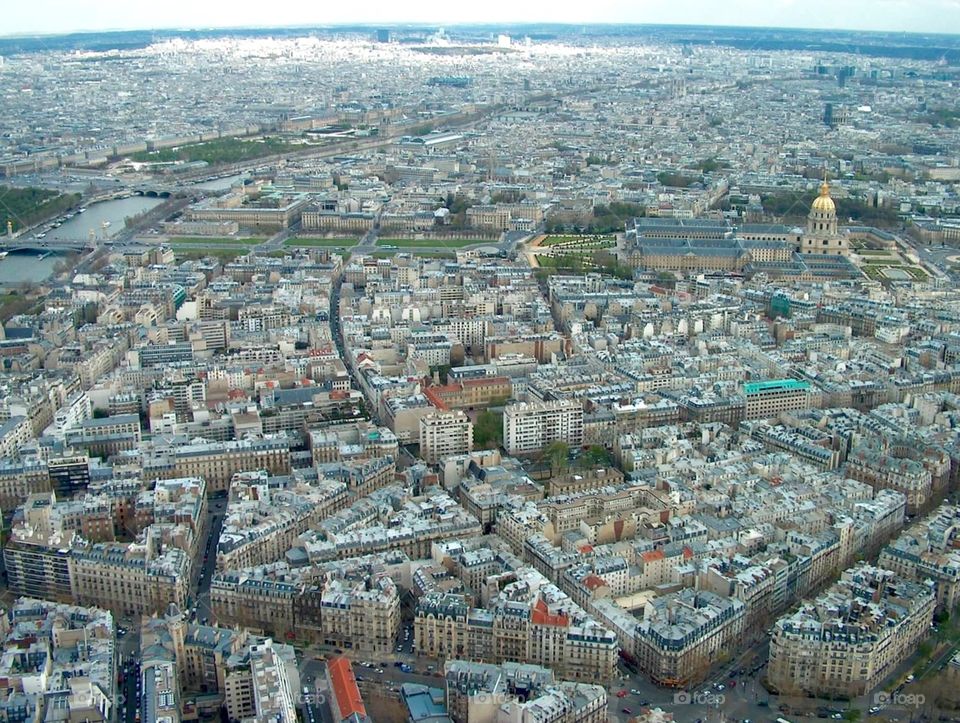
x,y
49,17
480,373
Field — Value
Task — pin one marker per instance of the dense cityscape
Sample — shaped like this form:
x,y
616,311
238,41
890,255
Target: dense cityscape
x,y
476,374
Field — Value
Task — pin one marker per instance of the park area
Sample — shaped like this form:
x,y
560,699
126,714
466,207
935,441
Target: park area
x,y
588,241
220,151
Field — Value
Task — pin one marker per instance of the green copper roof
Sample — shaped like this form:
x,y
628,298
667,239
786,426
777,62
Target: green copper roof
x,y
775,385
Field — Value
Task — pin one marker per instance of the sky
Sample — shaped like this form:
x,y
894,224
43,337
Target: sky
x,y
61,16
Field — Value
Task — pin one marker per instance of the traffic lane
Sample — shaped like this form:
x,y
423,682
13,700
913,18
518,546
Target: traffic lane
x,y
312,677
313,669
131,678
746,690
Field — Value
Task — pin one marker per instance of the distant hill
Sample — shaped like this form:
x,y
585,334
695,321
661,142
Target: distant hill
x,y
915,46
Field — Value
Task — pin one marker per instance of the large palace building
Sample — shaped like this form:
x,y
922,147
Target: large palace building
x,y
822,236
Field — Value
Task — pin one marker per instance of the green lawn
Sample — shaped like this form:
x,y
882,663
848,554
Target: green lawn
x,y
875,271
432,242
874,252
214,241
322,242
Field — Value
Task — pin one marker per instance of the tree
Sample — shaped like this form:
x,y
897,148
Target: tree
x,y
488,430
557,453
442,371
596,456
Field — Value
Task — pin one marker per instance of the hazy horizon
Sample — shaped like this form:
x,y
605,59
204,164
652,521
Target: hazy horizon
x,y
54,17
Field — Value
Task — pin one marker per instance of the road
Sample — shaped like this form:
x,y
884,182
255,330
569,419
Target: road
x,y
128,655
275,242
315,700
336,331
205,564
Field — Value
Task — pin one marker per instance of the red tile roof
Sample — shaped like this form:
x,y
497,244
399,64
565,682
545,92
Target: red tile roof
x,y
345,689
593,582
542,616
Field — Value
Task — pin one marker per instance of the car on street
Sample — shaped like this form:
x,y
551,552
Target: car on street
x,y
621,694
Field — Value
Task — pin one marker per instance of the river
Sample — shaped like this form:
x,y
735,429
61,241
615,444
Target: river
x,y
20,266
113,212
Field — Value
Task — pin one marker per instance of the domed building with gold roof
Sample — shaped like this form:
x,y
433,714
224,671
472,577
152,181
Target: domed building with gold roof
x,y
822,236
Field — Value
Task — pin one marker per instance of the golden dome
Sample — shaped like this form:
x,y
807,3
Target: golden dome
x,y
823,203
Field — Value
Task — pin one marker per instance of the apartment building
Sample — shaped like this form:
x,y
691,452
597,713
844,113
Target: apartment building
x,y
257,600
530,427
161,688
682,634
847,640
131,579
580,481
71,413
262,522
445,434
882,467
360,614
767,399
21,478
58,663
402,415
37,556
351,607
570,643
47,556
14,434
105,436
261,683
927,550
519,692
218,462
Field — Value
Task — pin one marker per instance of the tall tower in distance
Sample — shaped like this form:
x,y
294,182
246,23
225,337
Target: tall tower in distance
x,y
822,236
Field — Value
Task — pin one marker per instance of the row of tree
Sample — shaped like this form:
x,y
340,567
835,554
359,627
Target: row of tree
x,y
27,206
